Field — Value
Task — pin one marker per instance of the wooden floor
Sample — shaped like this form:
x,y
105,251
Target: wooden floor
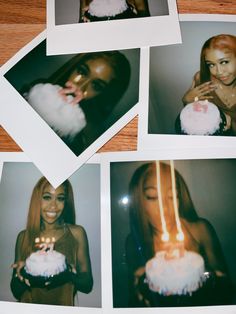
x,y
22,20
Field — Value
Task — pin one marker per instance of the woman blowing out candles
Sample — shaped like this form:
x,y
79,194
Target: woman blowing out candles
x,y
155,230
52,216
78,98
104,10
216,80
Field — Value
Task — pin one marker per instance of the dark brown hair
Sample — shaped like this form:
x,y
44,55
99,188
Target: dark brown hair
x,y
140,228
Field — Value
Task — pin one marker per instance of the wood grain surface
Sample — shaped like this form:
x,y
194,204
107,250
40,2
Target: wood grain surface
x,y
22,20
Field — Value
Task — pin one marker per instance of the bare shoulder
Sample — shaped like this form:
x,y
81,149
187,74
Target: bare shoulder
x,y
202,229
78,232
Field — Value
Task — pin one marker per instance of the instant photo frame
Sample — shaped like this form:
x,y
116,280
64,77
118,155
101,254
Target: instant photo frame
x,y
112,34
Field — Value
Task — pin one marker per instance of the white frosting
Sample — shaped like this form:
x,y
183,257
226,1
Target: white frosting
x,y
177,276
102,8
200,118
65,118
45,264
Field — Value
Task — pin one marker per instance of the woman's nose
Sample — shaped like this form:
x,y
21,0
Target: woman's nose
x,y
83,84
53,203
218,69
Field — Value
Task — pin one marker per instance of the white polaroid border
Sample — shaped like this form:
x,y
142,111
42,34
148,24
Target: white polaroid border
x,y
25,308
148,141
112,35
168,154
43,146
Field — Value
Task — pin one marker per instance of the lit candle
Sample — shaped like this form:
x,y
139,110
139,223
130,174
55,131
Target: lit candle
x,y
180,234
51,244
165,235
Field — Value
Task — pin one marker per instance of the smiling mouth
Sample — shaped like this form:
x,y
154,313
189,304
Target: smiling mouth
x,y
51,214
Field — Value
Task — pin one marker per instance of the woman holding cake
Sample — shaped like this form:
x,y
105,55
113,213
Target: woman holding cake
x,y
148,239
51,216
104,10
216,80
77,99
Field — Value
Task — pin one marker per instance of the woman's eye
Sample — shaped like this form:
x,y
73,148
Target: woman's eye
x,y
224,62
61,198
210,65
97,86
82,70
151,197
46,197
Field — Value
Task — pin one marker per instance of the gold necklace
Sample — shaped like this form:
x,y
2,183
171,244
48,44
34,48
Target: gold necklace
x,y
229,99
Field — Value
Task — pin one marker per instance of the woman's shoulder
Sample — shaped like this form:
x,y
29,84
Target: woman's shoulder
x,y
78,231
201,227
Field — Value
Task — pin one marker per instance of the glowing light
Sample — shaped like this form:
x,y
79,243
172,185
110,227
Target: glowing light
x,y
177,219
159,195
125,200
77,78
165,237
180,236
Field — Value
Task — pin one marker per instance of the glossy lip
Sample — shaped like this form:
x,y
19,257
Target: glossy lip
x,y
224,78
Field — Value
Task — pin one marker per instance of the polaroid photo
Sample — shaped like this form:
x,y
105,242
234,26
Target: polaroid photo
x,y
96,25
61,109
163,209
191,103
54,235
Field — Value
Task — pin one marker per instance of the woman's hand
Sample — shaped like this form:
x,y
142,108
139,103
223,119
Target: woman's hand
x,y
201,92
139,276
18,266
71,89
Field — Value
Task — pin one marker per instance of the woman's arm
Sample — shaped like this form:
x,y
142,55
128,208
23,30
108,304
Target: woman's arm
x,y
142,8
84,5
221,288
82,274
18,283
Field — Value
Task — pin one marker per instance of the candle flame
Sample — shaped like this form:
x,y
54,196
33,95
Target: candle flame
x,y
165,237
180,236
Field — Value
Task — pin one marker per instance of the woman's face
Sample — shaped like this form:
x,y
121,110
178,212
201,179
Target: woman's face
x,y
92,77
222,65
151,203
52,203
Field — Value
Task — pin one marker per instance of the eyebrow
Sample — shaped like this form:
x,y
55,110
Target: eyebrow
x,y
221,59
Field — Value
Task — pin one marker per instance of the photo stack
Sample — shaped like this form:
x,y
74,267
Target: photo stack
x,y
142,231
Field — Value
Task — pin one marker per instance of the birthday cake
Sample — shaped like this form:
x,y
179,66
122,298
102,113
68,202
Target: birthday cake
x,y
62,116
107,7
176,276
200,118
45,264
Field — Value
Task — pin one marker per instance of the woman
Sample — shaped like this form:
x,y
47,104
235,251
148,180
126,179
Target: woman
x,y
78,98
216,80
104,10
146,239
52,214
